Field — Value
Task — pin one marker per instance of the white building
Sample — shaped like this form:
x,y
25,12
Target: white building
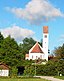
x,y
37,51
4,70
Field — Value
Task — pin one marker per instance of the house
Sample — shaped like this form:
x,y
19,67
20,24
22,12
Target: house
x,y
4,69
37,51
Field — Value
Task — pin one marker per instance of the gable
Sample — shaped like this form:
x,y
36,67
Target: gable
x,y
36,49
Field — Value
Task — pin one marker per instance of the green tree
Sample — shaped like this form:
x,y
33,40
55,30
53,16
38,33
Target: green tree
x,y
59,52
60,67
9,52
13,71
1,37
29,70
26,46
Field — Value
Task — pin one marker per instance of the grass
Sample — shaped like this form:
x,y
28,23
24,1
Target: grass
x,y
60,77
19,79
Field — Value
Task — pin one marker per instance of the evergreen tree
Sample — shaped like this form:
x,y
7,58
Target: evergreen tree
x,y
9,52
59,52
26,46
1,37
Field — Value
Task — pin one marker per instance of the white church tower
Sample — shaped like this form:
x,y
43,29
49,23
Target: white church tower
x,y
45,41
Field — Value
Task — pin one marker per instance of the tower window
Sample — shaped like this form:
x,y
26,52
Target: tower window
x,y
45,36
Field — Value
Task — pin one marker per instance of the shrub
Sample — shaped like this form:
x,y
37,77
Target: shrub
x,y
13,72
29,71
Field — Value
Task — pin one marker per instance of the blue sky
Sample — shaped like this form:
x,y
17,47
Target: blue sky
x,y
25,18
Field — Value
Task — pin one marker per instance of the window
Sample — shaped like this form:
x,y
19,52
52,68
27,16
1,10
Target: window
x,y
36,57
32,56
40,56
45,36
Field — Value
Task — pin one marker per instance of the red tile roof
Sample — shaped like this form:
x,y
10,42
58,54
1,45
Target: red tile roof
x,y
45,29
37,49
4,66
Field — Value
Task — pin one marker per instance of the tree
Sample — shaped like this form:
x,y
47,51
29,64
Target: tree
x,y
26,46
1,37
29,71
59,52
28,43
9,52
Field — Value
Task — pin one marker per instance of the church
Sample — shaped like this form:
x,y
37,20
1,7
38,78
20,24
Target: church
x,y
37,51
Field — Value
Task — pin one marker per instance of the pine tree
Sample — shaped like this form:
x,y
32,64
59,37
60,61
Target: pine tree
x,y
1,37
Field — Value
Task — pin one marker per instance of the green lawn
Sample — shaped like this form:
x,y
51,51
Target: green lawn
x,y
13,79
60,77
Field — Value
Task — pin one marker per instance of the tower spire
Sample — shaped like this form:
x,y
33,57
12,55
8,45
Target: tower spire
x,y
45,29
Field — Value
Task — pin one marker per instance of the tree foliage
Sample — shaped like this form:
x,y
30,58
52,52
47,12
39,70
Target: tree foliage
x,y
13,54
29,71
59,52
9,52
27,44
50,69
1,37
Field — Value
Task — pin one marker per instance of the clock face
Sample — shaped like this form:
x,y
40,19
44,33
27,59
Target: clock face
x,y
45,36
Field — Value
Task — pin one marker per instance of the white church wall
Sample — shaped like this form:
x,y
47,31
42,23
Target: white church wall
x,y
34,56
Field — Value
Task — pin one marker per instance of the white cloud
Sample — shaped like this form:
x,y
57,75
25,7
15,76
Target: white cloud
x,y
36,11
61,39
17,32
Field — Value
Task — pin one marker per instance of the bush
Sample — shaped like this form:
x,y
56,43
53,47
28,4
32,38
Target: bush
x,y
29,71
50,69
13,72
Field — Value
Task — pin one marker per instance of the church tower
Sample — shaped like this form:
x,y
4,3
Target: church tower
x,y
45,41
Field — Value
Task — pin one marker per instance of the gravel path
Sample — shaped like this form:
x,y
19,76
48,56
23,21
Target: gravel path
x,y
50,78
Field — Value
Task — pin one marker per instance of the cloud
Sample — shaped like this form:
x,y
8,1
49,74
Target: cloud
x,y
37,11
17,32
61,39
